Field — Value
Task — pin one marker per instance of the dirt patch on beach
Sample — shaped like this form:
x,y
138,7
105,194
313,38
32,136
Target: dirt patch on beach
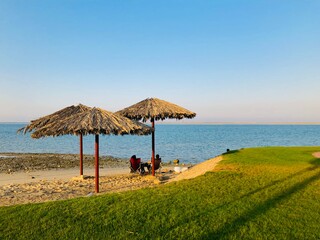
x,y
43,191
57,189
80,186
316,154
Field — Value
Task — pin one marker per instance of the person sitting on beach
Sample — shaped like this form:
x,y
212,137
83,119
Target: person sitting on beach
x,y
157,162
137,165
158,158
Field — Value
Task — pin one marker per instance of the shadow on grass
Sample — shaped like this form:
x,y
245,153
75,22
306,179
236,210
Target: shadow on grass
x,y
316,162
230,152
280,181
233,226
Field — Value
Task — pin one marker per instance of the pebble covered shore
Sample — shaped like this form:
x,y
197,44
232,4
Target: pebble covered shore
x,y
15,162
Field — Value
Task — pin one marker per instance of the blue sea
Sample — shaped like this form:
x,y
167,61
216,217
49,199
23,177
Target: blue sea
x,y
188,143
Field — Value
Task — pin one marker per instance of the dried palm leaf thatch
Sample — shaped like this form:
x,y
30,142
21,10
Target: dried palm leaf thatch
x,y
56,116
157,109
93,121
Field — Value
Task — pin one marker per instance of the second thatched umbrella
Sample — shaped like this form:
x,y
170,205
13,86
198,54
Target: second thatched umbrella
x,y
94,121
155,109
60,115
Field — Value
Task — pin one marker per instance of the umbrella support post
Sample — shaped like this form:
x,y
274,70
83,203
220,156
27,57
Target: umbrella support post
x,y
153,147
81,155
97,163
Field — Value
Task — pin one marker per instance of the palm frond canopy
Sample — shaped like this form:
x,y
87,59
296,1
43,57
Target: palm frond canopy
x,y
157,109
93,121
56,116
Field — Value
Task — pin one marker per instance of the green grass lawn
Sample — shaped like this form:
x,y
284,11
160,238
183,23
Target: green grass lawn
x,y
258,193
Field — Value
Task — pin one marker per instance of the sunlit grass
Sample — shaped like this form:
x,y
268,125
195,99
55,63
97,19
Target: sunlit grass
x,y
258,193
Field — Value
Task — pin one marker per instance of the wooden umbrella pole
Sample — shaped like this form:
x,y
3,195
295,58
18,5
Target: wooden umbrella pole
x,y
97,163
153,147
81,155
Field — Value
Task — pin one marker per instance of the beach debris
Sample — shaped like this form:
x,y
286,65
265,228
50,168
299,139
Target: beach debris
x,y
90,194
180,169
184,169
81,178
5,156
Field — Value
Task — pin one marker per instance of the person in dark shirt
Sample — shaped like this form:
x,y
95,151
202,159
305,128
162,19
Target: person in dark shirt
x,y
157,162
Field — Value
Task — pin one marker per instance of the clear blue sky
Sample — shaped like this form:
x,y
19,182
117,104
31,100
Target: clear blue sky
x,y
226,60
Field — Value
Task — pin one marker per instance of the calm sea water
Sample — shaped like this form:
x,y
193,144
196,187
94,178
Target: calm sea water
x,y
189,143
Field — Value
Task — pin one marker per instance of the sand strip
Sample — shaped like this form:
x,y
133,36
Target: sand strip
x,y
316,154
55,174
198,169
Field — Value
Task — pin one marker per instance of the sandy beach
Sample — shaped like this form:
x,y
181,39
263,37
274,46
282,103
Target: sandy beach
x,y
55,174
34,178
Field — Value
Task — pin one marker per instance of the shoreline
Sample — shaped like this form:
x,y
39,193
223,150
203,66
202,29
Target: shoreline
x,y
26,162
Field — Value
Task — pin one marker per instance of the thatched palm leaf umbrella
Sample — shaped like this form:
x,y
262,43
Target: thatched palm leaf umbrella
x,y
95,121
58,116
155,109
